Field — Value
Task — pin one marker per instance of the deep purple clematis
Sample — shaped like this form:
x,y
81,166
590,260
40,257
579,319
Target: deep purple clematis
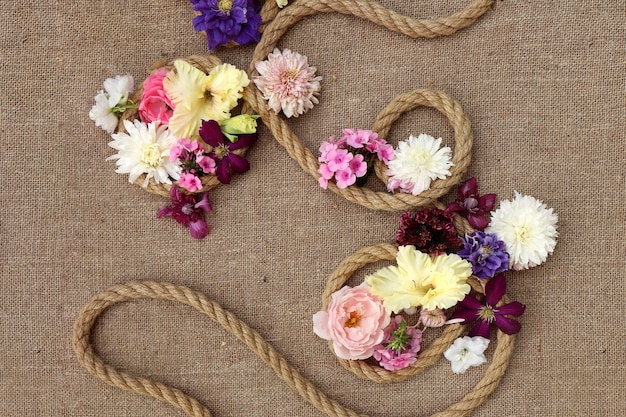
x,y
488,314
472,205
222,150
188,210
226,20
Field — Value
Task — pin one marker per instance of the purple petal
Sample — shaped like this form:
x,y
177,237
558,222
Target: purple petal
x,y
222,172
211,133
454,207
507,325
204,204
487,201
198,229
243,141
495,290
467,188
164,211
480,329
514,308
470,303
477,220
465,314
238,163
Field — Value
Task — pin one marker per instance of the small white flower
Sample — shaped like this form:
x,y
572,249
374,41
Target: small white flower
x,y
417,162
102,114
282,3
527,228
118,89
145,149
466,352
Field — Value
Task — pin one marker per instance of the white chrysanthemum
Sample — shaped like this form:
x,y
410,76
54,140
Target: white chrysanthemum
x,y
102,114
118,89
466,352
417,162
527,228
145,149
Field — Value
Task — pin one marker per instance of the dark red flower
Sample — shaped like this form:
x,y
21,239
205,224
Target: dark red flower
x,y
472,205
222,150
488,313
188,210
429,230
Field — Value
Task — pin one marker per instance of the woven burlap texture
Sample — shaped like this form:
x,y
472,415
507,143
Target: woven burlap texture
x,y
541,82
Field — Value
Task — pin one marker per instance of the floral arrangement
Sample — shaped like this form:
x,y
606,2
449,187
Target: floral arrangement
x,y
178,132
440,278
410,168
229,21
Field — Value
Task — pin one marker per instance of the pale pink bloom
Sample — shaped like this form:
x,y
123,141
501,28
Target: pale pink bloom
x,y
345,178
358,165
287,82
432,318
207,164
339,159
325,172
393,359
190,182
183,146
325,148
323,182
155,105
355,321
384,151
359,138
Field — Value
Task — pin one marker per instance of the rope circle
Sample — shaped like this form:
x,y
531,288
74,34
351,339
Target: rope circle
x,y
88,358
375,13
204,63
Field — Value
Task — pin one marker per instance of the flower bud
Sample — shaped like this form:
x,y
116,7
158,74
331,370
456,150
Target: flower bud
x,y
244,124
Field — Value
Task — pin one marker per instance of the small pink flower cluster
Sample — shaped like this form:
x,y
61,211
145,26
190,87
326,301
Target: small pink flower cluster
x,y
348,158
194,163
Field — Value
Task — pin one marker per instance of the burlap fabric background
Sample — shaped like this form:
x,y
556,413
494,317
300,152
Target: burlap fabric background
x,y
544,84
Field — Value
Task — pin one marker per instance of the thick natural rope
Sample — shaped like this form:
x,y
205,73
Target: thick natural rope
x,y
88,358
204,63
432,98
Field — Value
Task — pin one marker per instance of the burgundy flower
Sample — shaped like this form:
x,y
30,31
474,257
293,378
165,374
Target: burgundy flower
x,y
487,314
188,210
222,153
472,205
429,230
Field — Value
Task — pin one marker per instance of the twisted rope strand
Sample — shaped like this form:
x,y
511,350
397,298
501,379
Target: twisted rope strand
x,y
87,357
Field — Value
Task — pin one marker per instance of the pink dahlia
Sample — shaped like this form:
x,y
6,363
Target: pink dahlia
x,y
287,82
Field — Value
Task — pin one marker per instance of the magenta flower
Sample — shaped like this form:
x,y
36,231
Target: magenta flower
x,y
488,313
188,210
400,346
470,204
226,161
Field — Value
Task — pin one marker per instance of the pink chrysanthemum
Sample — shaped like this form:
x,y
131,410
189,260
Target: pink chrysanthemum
x,y
287,82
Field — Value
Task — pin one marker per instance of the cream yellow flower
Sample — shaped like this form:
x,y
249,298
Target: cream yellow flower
x,y
197,96
421,280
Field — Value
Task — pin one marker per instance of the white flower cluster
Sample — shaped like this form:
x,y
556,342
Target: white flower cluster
x,y
116,92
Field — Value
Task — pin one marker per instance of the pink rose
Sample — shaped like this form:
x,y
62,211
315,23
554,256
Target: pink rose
x,y
355,321
155,105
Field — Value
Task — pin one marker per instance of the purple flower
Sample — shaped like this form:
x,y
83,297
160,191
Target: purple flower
x,y
472,205
487,314
486,253
400,346
429,230
222,153
226,20
188,210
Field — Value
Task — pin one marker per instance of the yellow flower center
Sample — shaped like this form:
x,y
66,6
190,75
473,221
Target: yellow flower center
x,y
225,5
354,319
221,151
151,155
486,313
521,232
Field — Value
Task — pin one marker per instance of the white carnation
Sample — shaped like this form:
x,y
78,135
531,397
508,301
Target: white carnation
x,y
417,162
527,228
145,149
